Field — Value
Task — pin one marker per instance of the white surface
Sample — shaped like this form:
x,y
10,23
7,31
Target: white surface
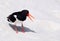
x,y
46,23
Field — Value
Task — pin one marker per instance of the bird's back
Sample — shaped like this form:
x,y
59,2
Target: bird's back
x,y
20,16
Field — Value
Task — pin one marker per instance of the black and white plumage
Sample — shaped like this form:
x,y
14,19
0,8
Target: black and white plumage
x,y
20,15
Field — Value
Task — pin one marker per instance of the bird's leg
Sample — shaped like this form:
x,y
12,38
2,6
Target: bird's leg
x,y
22,27
15,28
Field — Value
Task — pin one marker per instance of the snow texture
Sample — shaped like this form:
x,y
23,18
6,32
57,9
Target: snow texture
x,y
45,26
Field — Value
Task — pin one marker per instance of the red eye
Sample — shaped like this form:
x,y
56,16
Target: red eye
x,y
28,14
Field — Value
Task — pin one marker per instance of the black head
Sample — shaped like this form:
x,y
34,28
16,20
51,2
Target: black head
x,y
25,12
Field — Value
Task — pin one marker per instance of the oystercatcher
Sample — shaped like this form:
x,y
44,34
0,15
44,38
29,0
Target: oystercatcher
x,y
20,15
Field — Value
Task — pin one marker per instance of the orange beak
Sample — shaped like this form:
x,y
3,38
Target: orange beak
x,y
30,17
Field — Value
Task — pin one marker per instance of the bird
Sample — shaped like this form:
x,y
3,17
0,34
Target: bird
x,y
21,16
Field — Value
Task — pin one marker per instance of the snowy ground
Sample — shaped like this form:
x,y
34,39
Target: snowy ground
x,y
46,25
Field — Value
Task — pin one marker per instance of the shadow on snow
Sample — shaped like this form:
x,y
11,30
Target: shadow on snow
x,y
19,28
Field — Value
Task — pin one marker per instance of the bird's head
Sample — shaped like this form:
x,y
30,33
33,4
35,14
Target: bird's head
x,y
26,12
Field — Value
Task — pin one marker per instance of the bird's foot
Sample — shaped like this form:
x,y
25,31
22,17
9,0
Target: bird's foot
x,y
16,31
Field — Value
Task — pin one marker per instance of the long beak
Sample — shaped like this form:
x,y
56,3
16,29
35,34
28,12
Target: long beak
x,y
30,17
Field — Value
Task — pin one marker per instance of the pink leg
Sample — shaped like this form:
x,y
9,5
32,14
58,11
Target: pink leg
x,y
22,27
15,28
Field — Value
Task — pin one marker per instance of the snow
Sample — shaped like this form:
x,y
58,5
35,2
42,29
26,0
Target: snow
x,y
46,25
